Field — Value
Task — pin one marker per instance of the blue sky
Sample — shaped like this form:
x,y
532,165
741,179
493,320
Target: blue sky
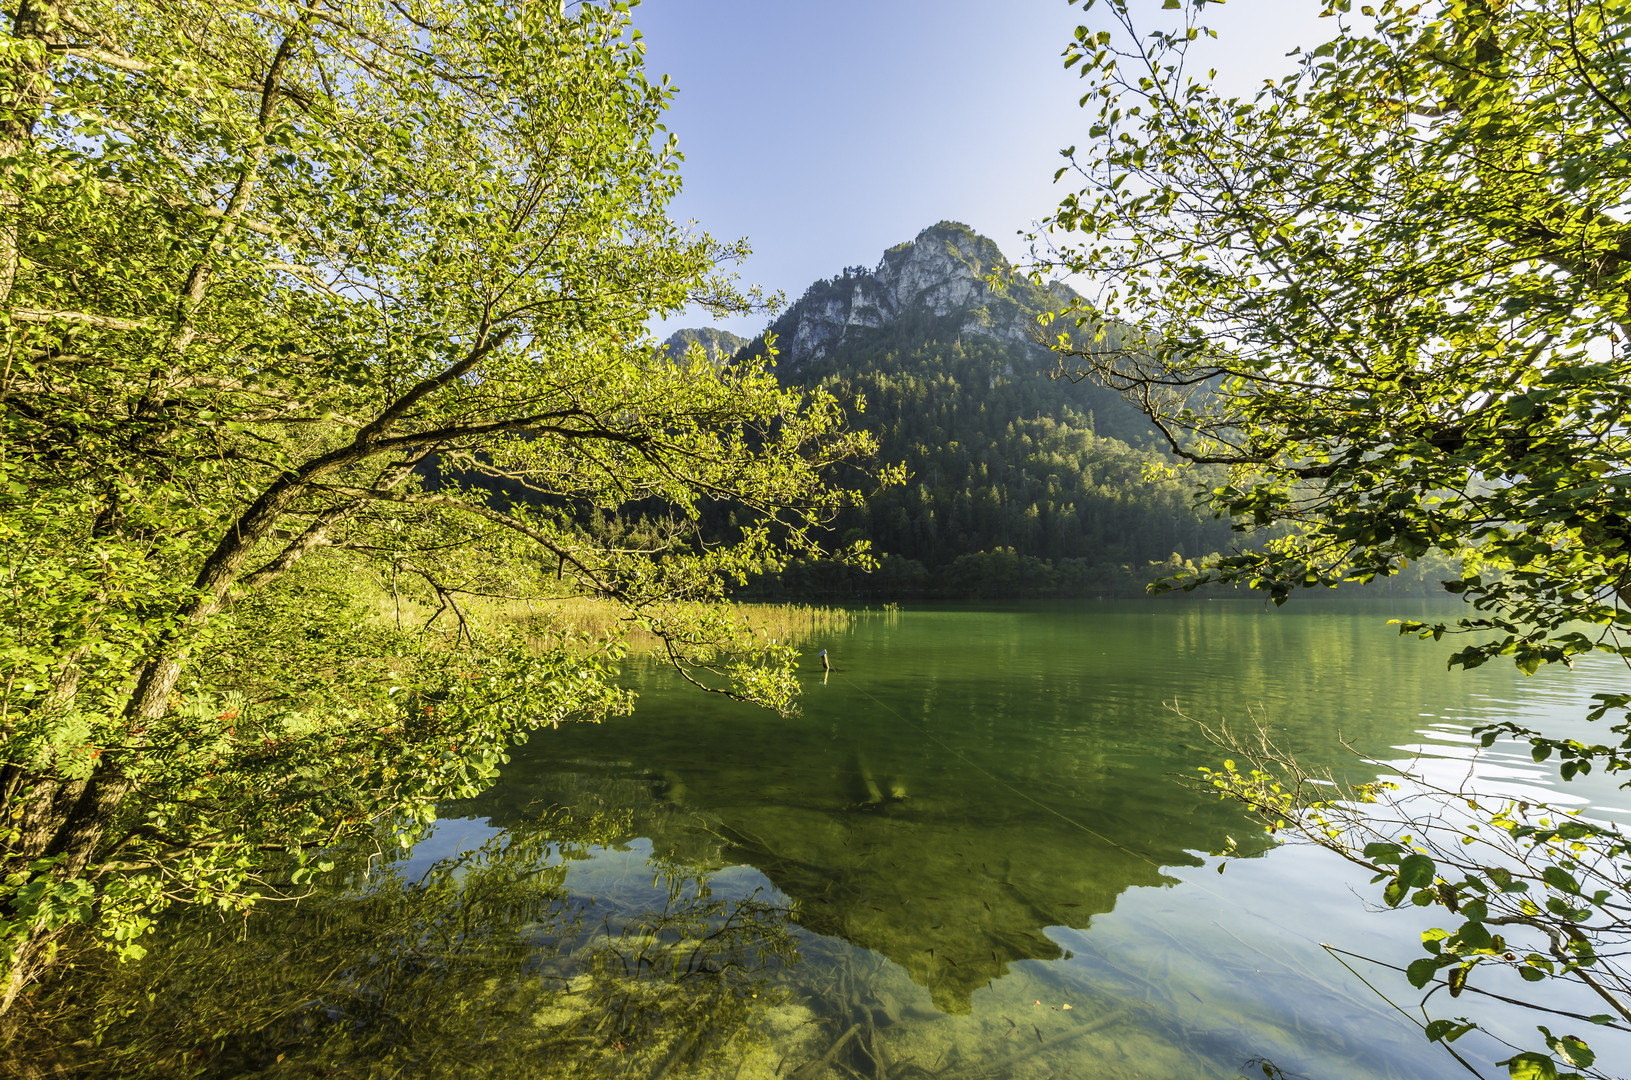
x,y
827,132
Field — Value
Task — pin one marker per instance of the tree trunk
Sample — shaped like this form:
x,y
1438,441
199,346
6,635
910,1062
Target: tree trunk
x,y
20,105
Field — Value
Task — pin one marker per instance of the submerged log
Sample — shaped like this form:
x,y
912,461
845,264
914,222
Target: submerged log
x,y
811,1069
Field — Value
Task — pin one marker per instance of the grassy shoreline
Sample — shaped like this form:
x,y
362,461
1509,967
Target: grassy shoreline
x,y
547,621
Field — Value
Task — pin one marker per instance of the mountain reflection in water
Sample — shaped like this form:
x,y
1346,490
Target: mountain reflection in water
x,y
965,781
952,898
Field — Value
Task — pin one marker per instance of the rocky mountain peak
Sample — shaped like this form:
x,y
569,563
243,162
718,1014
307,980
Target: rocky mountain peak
x,y
940,275
942,271
718,345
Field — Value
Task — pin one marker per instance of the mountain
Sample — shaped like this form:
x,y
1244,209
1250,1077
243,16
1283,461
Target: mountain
x,y
937,279
718,345
1021,483
933,293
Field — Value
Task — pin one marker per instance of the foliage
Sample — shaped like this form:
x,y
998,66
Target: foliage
x,y
1535,890
483,963
270,275
1388,296
719,345
1003,457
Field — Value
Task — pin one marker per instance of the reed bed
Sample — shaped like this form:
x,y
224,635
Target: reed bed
x,y
790,624
548,620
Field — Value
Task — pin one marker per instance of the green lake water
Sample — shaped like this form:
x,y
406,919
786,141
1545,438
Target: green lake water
x,y
969,855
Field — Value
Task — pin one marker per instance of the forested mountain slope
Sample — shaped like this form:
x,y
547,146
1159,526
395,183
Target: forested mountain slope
x,y
1001,455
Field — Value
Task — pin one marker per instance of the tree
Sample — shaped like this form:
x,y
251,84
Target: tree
x,y
287,289
1389,295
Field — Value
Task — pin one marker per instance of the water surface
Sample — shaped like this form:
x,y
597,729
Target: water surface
x,y
972,854
991,864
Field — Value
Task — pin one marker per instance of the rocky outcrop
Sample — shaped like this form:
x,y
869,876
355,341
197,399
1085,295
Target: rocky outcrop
x,y
941,275
718,345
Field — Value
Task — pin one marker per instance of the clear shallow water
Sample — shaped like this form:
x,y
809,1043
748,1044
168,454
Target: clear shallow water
x,y
970,855
990,865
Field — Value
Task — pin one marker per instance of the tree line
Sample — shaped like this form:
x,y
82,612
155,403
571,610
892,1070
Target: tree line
x,y
1005,466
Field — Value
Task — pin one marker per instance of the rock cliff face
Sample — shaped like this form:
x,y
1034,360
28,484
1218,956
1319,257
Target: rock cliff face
x,y
938,276
718,345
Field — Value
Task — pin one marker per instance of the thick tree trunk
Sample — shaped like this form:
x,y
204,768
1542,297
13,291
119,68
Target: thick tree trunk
x,y
33,956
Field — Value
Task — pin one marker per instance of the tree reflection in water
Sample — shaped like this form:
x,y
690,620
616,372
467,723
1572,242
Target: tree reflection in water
x,y
481,965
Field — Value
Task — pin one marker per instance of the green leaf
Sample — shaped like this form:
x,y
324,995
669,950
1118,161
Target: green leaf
x,y
1570,1048
1560,879
1421,972
1458,979
1416,870
1448,1030
1530,1066
1473,936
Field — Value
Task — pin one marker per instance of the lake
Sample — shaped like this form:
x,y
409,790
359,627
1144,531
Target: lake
x,y
973,853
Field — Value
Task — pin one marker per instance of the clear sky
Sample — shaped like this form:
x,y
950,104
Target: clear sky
x,y
827,132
